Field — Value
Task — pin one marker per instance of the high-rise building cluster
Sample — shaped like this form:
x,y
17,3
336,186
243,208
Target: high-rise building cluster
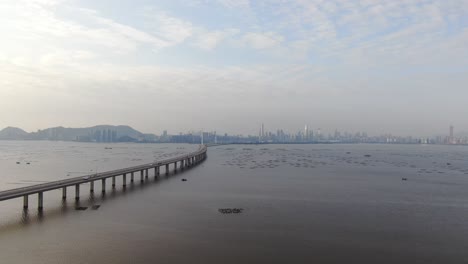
x,y
309,136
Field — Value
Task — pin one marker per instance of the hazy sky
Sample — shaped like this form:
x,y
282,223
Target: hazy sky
x,y
398,66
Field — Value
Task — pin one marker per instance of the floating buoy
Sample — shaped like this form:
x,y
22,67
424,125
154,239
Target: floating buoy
x,y
184,179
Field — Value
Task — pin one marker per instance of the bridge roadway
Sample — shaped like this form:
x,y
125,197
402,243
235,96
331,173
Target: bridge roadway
x,y
188,160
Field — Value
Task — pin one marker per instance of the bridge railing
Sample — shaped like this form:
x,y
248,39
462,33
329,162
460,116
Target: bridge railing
x,y
97,176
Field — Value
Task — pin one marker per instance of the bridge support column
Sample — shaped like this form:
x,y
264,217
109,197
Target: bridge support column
x,y
146,173
141,176
124,179
131,177
103,185
64,193
182,164
175,166
113,182
25,202
91,186
167,169
40,201
157,170
77,192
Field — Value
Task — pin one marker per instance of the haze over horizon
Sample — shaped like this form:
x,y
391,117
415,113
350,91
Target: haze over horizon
x,y
378,66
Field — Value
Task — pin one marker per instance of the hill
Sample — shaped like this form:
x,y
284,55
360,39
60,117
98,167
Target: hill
x,y
101,133
13,133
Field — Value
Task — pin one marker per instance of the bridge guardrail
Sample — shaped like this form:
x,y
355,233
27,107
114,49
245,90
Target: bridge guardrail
x,y
102,175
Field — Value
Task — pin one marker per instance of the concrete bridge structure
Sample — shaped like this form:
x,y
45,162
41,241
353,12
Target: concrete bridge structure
x,y
180,162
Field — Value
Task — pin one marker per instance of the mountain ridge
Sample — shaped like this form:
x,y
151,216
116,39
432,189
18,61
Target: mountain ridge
x,y
98,133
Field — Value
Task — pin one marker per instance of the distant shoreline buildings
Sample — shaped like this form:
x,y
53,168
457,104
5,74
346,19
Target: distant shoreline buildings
x,y
109,134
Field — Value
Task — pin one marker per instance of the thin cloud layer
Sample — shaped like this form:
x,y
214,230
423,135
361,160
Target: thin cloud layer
x,y
236,63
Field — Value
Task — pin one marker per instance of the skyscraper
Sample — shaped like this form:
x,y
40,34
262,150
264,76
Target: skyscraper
x,y
451,138
262,132
306,133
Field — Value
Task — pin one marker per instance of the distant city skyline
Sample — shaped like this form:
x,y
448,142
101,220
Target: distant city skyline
x,y
125,133
256,127
380,66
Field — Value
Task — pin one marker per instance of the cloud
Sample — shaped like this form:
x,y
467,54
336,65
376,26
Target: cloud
x,y
243,4
209,40
261,40
304,55
169,28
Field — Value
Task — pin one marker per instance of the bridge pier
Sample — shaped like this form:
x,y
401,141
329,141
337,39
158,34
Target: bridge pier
x,y
186,161
77,192
103,185
40,201
25,202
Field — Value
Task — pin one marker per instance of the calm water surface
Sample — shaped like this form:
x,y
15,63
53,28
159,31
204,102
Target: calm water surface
x,y
302,204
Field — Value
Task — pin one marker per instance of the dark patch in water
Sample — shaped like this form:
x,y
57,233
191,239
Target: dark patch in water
x,y
230,210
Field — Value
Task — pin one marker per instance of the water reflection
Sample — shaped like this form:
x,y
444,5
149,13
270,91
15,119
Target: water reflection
x,y
93,201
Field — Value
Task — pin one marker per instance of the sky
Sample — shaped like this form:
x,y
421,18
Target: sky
x,y
379,66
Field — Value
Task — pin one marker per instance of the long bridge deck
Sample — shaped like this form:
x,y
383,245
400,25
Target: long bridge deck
x,y
187,160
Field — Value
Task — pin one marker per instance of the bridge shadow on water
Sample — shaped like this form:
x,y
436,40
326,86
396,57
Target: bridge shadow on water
x,y
93,202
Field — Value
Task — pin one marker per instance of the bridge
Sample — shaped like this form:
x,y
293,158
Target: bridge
x,y
182,162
